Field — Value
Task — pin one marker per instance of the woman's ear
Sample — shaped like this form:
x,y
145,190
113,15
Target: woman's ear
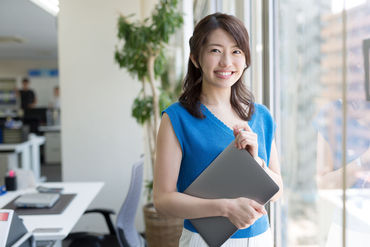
x,y
194,61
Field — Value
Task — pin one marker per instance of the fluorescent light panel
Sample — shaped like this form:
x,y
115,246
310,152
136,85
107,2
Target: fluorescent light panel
x,y
51,6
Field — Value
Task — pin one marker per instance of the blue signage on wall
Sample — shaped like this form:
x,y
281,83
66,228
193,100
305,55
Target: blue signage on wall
x,y
43,72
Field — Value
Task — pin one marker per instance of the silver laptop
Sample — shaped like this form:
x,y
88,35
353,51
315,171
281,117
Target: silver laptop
x,y
234,173
37,200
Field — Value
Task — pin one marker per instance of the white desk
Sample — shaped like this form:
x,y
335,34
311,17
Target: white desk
x,y
85,193
30,153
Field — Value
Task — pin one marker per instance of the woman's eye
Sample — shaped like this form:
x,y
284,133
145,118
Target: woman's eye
x,y
237,52
216,50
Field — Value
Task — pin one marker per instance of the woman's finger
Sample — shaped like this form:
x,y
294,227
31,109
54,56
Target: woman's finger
x,y
237,130
251,137
244,226
258,207
242,141
239,127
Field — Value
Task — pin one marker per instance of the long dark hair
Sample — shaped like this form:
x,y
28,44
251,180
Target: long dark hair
x,y
241,99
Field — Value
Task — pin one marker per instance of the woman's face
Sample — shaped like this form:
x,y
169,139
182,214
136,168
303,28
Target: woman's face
x,y
221,60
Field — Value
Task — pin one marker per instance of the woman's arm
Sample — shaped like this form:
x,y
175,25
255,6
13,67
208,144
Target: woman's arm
x,y
166,170
241,212
274,171
326,176
246,139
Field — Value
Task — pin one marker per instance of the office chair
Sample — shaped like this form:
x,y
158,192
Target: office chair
x,y
124,234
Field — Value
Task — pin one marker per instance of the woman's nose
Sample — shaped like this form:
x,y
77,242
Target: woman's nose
x,y
225,60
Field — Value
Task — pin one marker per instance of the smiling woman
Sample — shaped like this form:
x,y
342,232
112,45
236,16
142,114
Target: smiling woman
x,y
238,37
221,60
213,108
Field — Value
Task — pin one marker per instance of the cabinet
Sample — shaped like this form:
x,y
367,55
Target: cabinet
x,y
52,147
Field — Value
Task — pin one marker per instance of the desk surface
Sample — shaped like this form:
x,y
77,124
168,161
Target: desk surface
x,y
85,193
17,147
50,128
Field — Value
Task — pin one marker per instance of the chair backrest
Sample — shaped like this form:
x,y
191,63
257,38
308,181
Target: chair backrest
x,y
127,234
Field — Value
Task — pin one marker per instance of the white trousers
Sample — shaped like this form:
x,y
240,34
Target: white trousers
x,y
192,239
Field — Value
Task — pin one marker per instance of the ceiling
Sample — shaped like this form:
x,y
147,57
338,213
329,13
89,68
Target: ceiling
x,y
23,20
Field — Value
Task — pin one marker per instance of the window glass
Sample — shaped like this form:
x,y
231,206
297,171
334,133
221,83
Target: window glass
x,y
311,122
358,123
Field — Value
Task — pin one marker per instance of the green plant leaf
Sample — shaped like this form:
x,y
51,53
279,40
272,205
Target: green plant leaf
x,y
142,109
138,42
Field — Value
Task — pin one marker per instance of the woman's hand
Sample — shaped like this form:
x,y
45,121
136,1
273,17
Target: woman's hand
x,y
243,212
245,138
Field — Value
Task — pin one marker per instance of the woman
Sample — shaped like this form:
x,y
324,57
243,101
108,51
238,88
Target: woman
x,y
214,109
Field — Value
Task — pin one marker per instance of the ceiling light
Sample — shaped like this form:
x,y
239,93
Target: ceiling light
x,y
51,6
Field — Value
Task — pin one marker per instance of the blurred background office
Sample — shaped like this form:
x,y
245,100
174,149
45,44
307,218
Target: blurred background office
x,y
28,76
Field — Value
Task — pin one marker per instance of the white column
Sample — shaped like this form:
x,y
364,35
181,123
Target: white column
x,y
187,8
100,139
36,142
25,150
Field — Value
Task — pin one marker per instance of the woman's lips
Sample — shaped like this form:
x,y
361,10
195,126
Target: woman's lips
x,y
224,74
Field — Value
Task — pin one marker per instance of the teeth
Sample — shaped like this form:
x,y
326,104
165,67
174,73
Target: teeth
x,y
224,73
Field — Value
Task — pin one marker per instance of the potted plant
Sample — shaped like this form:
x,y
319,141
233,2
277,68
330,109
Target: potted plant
x,y
143,55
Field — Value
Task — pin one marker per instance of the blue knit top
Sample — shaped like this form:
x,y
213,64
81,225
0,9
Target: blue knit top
x,y
202,140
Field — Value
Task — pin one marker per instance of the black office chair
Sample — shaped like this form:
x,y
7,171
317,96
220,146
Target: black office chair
x,y
124,234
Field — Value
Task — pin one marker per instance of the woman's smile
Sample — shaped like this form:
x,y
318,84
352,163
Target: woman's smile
x,y
223,74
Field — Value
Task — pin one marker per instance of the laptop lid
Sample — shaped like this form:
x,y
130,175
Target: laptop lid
x,y
37,200
234,173
12,230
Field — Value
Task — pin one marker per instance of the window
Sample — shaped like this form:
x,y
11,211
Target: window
x,y
312,94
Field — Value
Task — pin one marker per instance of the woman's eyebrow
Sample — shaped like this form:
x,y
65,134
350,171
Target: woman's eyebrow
x,y
215,44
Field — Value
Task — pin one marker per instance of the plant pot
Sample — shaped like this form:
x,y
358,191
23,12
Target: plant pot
x,y
161,230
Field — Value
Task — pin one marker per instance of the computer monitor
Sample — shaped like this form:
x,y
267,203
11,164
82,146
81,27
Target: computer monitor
x,y
38,114
35,117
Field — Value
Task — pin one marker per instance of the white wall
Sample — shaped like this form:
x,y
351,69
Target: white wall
x,y
44,89
19,68
43,86
100,139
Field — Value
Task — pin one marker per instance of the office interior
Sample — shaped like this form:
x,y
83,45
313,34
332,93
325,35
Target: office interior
x,y
310,67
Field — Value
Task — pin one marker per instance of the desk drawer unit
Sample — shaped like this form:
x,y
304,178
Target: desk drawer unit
x,y
52,148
